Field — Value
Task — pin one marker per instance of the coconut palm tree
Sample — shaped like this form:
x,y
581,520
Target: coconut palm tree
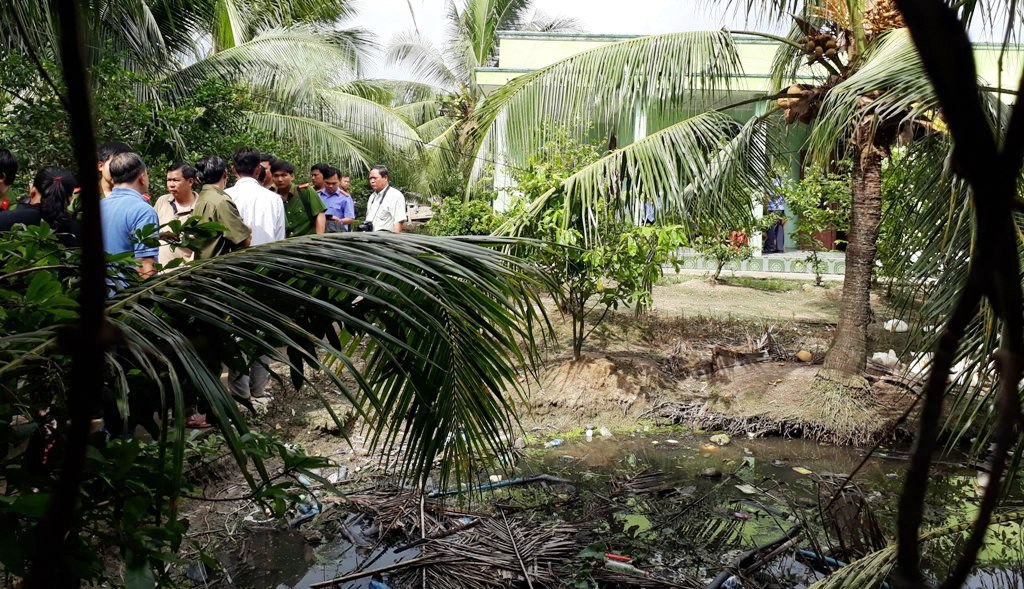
x,y
847,71
302,72
444,120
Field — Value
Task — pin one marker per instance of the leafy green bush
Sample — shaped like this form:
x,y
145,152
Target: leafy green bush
x,y
456,216
597,270
821,202
720,248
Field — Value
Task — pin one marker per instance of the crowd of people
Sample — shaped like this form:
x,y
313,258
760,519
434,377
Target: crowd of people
x,y
265,204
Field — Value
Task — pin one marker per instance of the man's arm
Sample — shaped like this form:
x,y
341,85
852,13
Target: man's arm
x,y
400,214
348,212
279,220
236,231
321,223
147,267
146,255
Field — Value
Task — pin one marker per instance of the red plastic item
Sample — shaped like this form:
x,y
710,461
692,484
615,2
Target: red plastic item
x,y
617,557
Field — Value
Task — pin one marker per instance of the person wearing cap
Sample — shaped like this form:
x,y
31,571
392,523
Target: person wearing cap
x,y
303,209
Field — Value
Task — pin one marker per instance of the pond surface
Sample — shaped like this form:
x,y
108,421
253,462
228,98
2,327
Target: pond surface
x,y
679,505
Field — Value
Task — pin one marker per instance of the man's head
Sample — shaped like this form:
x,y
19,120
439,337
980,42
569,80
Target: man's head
x,y
331,181
212,170
266,161
104,153
284,174
316,175
181,179
247,162
129,171
378,178
8,170
345,183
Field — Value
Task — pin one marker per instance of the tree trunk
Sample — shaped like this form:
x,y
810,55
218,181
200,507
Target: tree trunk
x,y
848,353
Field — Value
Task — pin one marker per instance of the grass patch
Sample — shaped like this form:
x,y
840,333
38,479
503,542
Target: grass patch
x,y
764,284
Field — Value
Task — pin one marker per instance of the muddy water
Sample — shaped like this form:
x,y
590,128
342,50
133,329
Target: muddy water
x,y
714,501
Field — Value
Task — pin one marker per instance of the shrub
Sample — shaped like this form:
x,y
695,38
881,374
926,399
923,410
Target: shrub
x,y
456,216
821,202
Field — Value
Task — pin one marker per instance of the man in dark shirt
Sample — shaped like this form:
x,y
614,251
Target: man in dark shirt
x,y
303,209
215,205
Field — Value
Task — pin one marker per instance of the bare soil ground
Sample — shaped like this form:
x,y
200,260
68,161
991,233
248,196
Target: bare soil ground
x,y
806,304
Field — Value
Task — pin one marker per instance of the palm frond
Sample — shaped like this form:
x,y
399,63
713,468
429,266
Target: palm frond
x,y
935,233
420,113
229,28
432,332
603,88
889,85
546,23
275,61
873,569
416,52
705,168
404,91
320,141
378,126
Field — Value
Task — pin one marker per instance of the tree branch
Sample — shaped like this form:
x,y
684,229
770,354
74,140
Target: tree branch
x,y
50,566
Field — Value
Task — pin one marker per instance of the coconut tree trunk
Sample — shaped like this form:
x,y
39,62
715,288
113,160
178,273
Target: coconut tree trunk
x,y
848,353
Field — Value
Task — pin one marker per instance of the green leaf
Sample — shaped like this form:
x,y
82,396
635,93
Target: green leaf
x,y
139,576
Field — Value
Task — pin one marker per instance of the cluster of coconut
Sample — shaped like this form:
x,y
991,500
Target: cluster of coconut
x,y
883,16
801,103
819,45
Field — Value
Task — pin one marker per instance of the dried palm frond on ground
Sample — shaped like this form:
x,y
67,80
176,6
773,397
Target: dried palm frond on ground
x,y
649,482
396,511
496,555
608,575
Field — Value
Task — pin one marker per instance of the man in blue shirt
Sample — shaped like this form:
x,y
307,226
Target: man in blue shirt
x,y
124,211
341,208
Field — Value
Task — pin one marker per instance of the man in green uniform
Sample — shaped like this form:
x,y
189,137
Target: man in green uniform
x,y
215,205
303,209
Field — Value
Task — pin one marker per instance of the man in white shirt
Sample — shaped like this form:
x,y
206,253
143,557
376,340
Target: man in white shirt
x,y
386,207
261,209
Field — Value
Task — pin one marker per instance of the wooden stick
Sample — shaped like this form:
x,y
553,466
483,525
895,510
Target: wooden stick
x,y
515,547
